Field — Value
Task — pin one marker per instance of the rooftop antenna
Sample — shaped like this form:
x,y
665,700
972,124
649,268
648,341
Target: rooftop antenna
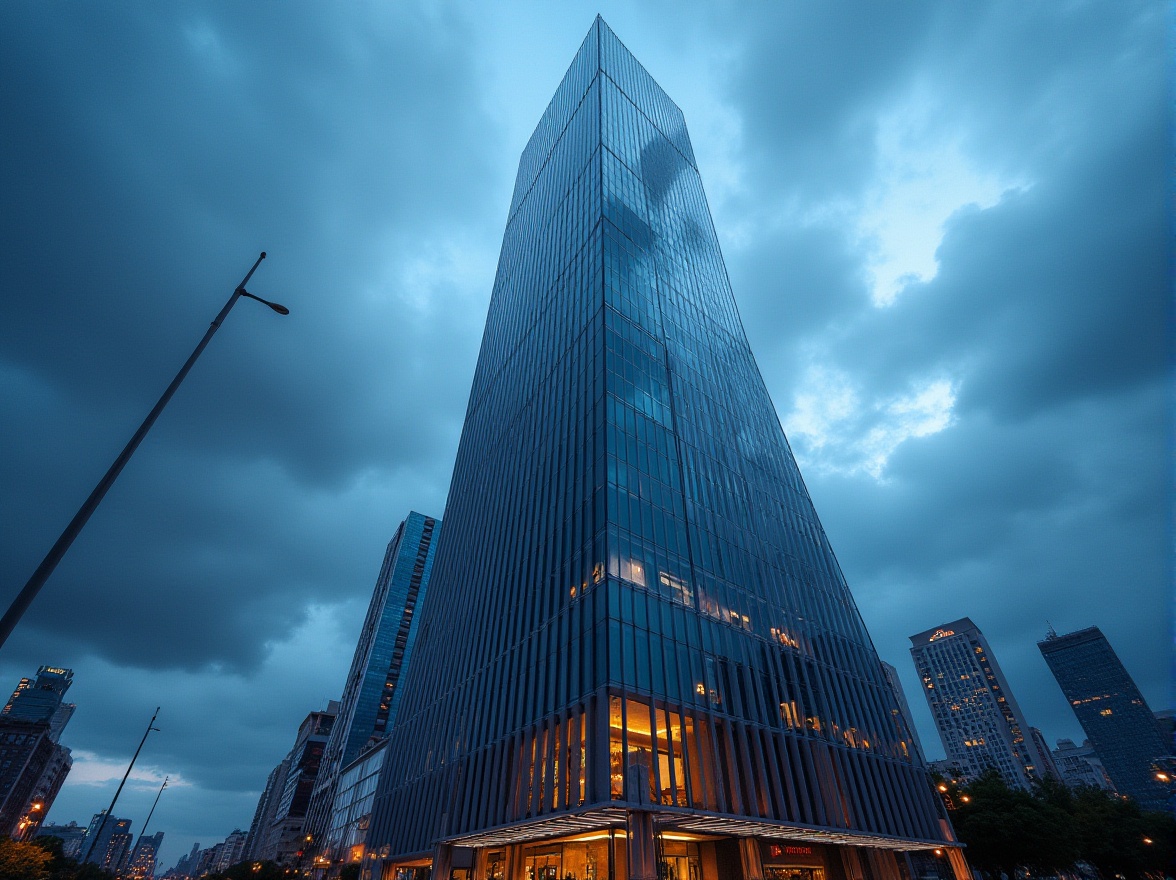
x,y
1050,632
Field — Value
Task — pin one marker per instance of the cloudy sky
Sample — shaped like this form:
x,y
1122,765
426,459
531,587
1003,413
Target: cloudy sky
x,y
945,225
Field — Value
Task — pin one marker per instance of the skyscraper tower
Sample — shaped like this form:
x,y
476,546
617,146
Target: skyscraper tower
x,y
638,653
978,719
33,764
1125,734
43,698
372,692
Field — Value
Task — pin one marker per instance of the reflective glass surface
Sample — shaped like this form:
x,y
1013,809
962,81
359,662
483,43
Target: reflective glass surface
x,y
634,601
1125,734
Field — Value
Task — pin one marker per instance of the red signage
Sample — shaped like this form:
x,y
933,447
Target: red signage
x,y
776,850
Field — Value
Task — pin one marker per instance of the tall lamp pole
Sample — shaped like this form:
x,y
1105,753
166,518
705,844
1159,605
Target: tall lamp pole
x,y
110,810
25,598
151,813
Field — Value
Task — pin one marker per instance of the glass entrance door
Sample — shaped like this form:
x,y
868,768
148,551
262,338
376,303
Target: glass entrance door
x,y
680,861
785,872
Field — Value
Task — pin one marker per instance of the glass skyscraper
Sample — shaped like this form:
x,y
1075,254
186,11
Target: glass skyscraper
x,y
638,653
372,692
1125,734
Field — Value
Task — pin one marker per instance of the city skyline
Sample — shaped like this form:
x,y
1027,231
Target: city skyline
x,y
988,444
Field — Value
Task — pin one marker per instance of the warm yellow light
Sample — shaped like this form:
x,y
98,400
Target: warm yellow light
x,y
938,852
37,805
1162,776
1148,841
965,798
942,787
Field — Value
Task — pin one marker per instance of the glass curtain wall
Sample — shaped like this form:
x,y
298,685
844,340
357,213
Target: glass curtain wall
x,y
634,601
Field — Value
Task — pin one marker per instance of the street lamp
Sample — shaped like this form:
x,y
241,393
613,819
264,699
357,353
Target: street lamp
x,y
25,597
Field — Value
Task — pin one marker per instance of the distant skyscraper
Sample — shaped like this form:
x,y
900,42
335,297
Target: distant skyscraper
x,y
142,863
1043,754
71,837
229,852
1123,730
903,710
1079,765
978,720
371,694
258,840
292,789
107,843
187,864
638,654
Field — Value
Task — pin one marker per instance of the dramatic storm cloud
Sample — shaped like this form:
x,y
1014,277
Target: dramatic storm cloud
x,y
945,226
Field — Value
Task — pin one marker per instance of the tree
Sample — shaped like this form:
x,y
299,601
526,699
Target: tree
x,y
1115,835
1006,829
62,868
251,871
1047,830
23,861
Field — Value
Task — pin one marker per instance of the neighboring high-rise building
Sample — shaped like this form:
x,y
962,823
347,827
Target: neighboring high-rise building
x,y
638,651
257,841
345,837
371,694
185,868
26,753
33,764
1079,765
203,864
1044,754
285,839
142,863
229,852
1126,735
107,842
40,699
71,837
903,710
977,717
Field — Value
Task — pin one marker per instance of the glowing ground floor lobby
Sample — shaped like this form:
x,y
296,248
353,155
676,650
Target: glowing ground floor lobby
x,y
641,845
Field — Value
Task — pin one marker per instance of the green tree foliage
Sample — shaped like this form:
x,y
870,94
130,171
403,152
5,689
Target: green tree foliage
x,y
1116,833
1007,829
252,871
1052,828
54,864
23,861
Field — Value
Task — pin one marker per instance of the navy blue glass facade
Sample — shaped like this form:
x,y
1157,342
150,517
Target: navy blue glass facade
x,y
634,609
372,693
1126,736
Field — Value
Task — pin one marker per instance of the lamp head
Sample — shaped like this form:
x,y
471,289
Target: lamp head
x,y
277,307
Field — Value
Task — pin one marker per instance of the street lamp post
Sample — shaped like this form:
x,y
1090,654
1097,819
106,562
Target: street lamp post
x,y
25,598
110,810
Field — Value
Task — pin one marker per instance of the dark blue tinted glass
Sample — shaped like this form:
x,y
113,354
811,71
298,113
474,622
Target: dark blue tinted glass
x,y
634,602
